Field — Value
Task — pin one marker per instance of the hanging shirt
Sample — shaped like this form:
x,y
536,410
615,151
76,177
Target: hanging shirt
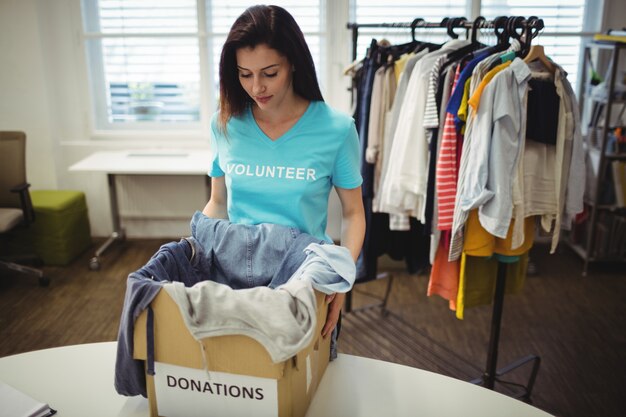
x,y
572,193
444,277
286,181
550,173
396,221
474,101
447,170
466,73
489,157
461,116
400,64
384,90
445,88
405,185
479,242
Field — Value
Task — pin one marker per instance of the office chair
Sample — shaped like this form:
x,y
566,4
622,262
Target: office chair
x,y
16,208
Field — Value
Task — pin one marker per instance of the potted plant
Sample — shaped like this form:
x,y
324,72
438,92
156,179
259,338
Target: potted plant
x,y
142,101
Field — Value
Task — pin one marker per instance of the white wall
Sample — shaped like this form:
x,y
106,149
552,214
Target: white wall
x,y
43,91
614,15
24,90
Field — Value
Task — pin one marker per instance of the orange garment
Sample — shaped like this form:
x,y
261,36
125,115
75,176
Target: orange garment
x,y
474,101
444,276
479,242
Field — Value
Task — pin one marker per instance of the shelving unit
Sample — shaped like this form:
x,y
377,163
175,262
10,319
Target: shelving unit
x,y
603,237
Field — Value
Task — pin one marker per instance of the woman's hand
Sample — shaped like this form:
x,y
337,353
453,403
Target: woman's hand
x,y
336,302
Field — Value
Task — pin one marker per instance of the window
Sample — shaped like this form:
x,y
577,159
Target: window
x,y
561,38
563,19
154,64
144,61
375,11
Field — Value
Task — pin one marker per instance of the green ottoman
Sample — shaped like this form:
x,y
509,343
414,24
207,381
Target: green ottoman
x,y
61,229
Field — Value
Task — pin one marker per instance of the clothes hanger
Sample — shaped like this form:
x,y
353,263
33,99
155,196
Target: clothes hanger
x,y
421,45
500,29
454,23
416,22
466,50
536,52
502,35
352,66
476,25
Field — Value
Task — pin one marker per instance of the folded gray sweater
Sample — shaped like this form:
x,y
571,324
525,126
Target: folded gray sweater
x,y
283,320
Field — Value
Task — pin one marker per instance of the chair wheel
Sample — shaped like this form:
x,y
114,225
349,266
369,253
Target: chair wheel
x,y
94,264
44,282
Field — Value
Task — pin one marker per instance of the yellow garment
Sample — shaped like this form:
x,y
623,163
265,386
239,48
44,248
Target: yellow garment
x,y
479,242
400,64
475,100
460,296
477,282
462,113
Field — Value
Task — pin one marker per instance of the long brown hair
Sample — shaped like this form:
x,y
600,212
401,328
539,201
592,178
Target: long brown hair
x,y
275,27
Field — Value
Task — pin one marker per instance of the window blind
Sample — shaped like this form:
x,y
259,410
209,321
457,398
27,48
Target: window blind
x,y
145,61
376,11
560,17
145,56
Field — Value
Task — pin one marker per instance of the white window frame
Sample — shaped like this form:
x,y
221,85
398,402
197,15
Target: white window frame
x,y
100,125
335,48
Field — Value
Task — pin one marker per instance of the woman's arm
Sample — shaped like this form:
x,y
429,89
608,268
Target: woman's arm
x,y
352,234
216,207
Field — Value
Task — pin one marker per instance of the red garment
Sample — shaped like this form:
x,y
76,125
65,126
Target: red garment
x,y
447,169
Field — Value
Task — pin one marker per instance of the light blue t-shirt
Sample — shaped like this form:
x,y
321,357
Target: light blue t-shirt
x,y
286,181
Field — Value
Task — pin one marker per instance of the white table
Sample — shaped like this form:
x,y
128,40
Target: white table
x,y
140,162
78,381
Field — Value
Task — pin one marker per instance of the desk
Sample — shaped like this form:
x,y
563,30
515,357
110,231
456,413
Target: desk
x,y
78,381
140,162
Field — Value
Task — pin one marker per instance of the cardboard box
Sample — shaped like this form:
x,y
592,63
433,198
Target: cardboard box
x,y
241,380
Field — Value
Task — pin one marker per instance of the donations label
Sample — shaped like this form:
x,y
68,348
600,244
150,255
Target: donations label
x,y
190,392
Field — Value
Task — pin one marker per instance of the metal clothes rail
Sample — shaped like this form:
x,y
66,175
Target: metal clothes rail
x,y
504,27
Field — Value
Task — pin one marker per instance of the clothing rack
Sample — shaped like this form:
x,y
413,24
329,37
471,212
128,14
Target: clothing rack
x,y
504,26
500,24
416,23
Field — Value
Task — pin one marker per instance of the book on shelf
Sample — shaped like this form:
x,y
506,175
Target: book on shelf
x,y
616,32
601,37
610,235
618,169
619,248
16,403
602,238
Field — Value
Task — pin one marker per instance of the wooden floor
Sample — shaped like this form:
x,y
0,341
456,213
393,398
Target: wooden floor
x,y
576,325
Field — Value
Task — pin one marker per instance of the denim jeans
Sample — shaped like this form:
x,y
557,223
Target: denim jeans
x,y
246,256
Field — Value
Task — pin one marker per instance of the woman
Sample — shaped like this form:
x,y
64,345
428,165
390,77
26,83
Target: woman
x,y
278,148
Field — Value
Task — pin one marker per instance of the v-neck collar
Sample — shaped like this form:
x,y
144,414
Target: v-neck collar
x,y
285,136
